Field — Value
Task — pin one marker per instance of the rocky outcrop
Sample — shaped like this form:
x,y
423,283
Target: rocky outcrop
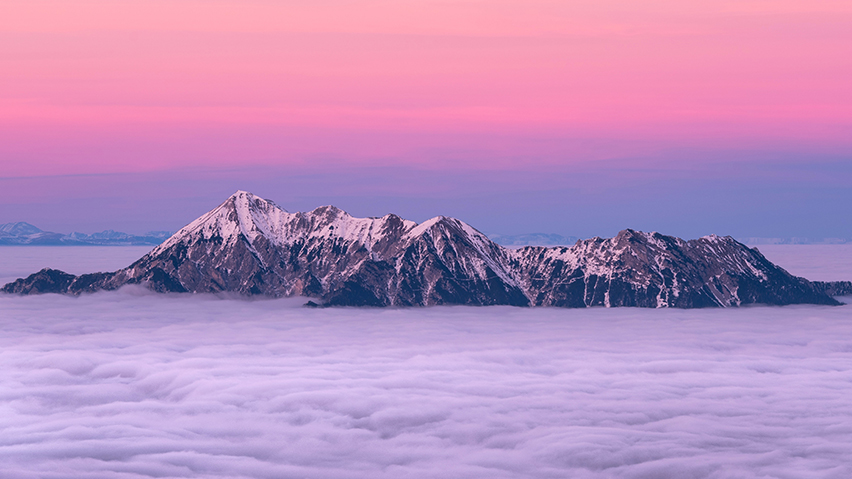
x,y
251,246
55,281
834,288
654,270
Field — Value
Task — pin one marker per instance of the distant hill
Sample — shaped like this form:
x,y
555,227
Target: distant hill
x,y
534,239
795,240
25,234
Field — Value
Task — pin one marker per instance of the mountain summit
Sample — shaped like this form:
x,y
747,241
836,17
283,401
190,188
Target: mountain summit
x,y
251,246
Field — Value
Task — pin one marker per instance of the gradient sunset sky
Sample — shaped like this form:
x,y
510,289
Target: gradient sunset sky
x,y
579,118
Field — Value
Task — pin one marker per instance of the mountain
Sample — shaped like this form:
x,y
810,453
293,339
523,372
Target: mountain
x,y
655,270
534,239
18,229
794,240
249,245
23,234
117,238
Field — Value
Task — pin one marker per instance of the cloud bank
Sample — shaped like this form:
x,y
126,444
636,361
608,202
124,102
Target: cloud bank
x,y
133,385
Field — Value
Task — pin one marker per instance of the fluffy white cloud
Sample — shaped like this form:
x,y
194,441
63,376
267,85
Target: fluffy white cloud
x,y
130,384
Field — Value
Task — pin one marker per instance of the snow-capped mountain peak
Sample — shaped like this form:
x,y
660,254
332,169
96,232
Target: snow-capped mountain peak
x,y
242,215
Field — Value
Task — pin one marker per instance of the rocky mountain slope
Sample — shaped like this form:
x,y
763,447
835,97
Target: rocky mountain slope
x,y
249,245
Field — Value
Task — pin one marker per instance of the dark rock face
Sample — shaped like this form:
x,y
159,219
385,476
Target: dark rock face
x,y
834,288
55,281
45,281
654,270
251,246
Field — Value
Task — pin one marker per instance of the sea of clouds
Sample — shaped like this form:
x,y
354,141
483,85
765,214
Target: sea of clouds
x,y
132,384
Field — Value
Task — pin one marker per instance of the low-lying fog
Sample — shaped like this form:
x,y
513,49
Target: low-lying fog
x,y
131,384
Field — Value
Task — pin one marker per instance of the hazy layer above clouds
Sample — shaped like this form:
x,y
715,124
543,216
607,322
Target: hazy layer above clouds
x,y
22,261
130,384
816,262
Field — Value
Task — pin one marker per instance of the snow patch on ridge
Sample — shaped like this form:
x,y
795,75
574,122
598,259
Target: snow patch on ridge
x,y
424,226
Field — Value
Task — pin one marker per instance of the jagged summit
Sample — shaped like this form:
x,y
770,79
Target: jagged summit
x,y
250,245
241,215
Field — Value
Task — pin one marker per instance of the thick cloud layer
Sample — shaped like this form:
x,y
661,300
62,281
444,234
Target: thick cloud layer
x,y
130,384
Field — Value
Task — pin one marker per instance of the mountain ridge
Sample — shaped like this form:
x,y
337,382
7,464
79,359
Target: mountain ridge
x,y
25,234
251,246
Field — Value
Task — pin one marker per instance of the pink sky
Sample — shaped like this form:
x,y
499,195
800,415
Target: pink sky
x,y
123,86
